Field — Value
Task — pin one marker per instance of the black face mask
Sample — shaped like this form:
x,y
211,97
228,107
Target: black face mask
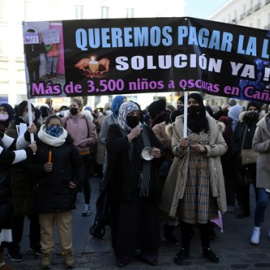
x,y
253,115
194,111
73,111
132,121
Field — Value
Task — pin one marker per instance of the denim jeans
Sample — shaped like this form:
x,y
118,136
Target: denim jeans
x,y
263,199
52,65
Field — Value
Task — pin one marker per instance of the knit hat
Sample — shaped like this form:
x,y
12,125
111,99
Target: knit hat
x,y
254,104
232,102
9,110
157,107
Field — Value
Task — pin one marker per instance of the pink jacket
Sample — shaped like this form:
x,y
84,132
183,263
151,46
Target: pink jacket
x,y
82,130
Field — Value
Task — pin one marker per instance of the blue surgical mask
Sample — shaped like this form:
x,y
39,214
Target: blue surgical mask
x,y
54,131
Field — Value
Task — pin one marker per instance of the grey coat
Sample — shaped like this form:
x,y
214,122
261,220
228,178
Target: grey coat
x,y
261,144
175,184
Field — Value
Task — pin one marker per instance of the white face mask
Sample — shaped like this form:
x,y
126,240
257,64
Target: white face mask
x,y
3,117
62,113
25,118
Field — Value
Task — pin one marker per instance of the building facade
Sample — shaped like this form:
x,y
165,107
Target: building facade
x,y
249,13
13,13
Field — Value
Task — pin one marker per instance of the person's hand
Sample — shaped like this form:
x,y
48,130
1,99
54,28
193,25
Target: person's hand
x,y
156,153
33,146
199,148
72,185
32,128
183,142
135,132
83,63
48,167
106,63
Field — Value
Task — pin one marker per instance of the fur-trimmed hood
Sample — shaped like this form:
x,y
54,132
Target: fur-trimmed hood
x,y
242,114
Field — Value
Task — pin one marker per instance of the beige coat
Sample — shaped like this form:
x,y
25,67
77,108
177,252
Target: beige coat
x,y
261,145
175,184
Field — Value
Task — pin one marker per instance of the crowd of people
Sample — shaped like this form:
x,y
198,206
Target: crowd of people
x,y
154,168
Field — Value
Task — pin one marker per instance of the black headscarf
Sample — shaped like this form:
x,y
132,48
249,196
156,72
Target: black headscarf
x,y
196,120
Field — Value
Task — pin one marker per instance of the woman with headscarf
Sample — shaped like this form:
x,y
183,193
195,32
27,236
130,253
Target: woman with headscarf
x,y
194,189
107,121
133,187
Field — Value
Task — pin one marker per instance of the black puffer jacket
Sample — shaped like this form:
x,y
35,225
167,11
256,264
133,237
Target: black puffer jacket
x,y
52,193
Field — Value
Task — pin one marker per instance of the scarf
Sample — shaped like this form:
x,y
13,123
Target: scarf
x,y
145,174
50,140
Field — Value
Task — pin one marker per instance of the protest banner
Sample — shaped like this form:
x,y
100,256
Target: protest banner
x,y
51,36
148,55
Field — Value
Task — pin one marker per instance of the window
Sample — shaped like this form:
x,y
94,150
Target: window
x,y
27,11
78,12
2,10
130,12
104,12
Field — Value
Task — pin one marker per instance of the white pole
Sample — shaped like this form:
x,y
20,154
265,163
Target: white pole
x,y
30,118
185,113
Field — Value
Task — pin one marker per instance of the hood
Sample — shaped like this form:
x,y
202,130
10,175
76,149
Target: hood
x,y
241,116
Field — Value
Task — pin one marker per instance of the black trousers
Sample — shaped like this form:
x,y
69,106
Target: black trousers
x,y
17,227
186,231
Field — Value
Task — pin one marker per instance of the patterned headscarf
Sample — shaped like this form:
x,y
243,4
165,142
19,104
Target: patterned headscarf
x,y
124,110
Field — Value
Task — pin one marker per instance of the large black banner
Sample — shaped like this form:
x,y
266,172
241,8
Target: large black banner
x,y
127,56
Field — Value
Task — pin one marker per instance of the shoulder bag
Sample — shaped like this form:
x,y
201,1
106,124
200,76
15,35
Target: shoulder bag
x,y
248,156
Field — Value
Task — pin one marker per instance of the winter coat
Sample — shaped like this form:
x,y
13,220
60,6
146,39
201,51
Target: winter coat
x,y
261,145
82,130
175,184
237,141
7,158
21,182
132,215
107,121
52,193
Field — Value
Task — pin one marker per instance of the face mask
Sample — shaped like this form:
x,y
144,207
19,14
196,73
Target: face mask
x,y
3,117
253,115
132,121
194,110
62,113
73,111
25,118
54,131
181,109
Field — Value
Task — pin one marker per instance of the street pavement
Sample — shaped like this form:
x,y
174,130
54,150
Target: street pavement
x,y
232,245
